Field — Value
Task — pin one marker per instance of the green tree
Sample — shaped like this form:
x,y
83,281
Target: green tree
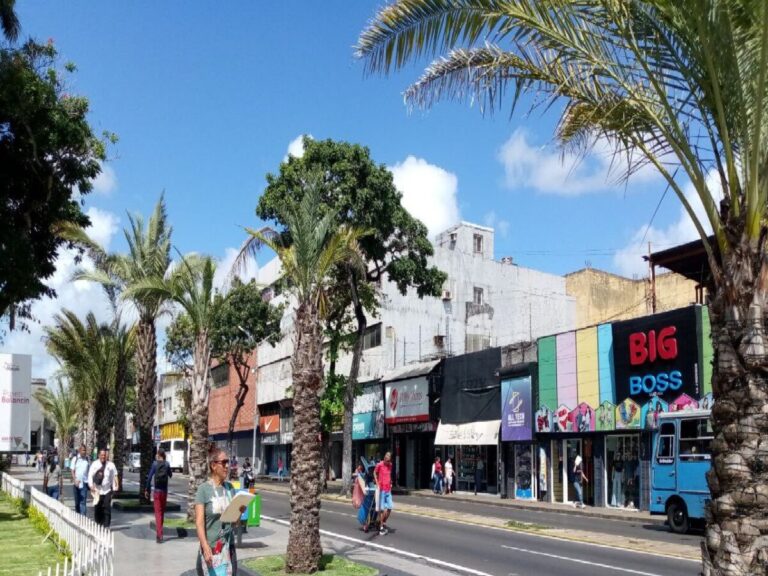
x,y
318,245
190,286
147,261
49,157
677,85
9,21
359,193
61,408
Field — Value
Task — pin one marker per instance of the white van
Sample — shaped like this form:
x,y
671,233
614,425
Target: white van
x,y
175,449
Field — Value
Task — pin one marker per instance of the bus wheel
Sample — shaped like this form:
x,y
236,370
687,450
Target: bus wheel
x,y
677,517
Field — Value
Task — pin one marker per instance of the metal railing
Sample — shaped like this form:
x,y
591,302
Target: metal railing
x,y
92,547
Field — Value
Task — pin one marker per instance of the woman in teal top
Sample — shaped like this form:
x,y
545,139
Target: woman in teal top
x,y
217,543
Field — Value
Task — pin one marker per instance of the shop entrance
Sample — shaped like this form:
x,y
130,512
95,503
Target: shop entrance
x,y
582,447
557,471
622,471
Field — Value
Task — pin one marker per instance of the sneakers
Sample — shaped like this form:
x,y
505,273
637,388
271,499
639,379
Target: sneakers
x,y
159,539
383,531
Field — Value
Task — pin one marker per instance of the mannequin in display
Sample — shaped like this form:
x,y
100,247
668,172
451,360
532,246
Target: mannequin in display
x,y
617,480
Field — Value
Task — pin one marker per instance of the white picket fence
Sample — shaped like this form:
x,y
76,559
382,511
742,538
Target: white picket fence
x,y
92,546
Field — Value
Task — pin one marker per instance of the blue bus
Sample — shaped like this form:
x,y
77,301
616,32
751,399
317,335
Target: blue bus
x,y
682,456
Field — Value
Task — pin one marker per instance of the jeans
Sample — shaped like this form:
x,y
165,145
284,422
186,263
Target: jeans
x,y
280,473
53,491
102,512
437,483
81,497
579,492
159,500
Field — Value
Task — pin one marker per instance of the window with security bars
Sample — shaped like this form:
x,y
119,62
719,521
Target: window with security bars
x,y
372,337
220,376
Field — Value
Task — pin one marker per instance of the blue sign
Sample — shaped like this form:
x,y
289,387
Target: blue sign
x,y
516,413
368,426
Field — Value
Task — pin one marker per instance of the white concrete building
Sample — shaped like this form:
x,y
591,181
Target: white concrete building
x,y
485,302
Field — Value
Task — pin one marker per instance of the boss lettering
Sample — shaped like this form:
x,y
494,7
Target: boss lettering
x,y
658,383
648,347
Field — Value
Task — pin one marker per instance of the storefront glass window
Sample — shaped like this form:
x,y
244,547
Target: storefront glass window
x,y
623,468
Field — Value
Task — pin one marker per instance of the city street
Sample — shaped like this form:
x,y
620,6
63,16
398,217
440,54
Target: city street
x,y
478,550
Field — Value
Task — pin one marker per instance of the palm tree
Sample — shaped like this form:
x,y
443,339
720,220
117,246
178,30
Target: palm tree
x,y
9,21
148,260
61,408
190,285
317,247
680,86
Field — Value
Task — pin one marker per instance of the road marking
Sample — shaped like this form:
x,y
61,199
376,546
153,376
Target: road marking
x,y
579,561
412,555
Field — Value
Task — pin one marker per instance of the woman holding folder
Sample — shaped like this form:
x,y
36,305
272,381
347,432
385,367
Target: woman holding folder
x,y
217,542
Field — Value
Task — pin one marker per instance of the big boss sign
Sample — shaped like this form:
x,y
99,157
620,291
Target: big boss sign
x,y
657,356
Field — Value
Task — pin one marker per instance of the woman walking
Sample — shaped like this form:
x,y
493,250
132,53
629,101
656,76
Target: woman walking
x,y
52,477
217,543
448,476
437,476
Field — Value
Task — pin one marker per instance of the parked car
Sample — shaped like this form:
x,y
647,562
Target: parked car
x,y
134,461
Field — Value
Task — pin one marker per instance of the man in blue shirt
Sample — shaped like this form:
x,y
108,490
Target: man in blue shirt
x,y
161,472
80,465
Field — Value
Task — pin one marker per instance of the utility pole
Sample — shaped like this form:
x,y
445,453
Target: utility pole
x,y
652,277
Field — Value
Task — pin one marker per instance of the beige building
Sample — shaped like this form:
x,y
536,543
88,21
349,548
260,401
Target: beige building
x,y
604,297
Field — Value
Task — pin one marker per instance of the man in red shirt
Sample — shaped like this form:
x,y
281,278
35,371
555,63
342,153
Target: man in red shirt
x,y
382,475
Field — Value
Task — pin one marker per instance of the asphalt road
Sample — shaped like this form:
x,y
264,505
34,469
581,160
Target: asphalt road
x,y
485,551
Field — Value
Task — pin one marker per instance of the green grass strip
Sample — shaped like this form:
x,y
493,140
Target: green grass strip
x,y
330,565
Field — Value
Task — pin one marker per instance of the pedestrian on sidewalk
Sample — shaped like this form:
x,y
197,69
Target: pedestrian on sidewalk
x,y
280,469
40,461
80,466
479,473
382,475
448,476
578,477
160,472
52,477
248,479
437,476
213,497
102,479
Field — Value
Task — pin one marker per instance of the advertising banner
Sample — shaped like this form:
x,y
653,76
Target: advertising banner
x,y
368,426
657,357
516,410
370,400
15,392
407,401
269,424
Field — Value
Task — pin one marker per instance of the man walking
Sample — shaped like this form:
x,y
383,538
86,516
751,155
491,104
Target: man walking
x,y
161,472
80,466
382,475
102,479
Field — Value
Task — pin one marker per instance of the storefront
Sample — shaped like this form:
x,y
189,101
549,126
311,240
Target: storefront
x,y
473,449
410,418
269,430
519,454
599,394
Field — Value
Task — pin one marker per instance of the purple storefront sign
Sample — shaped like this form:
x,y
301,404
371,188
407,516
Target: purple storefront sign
x,y
516,415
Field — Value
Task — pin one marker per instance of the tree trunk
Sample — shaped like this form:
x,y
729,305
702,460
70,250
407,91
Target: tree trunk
x,y
736,541
198,465
146,359
242,393
304,550
119,452
349,392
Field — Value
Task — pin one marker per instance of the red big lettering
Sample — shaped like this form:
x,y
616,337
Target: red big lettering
x,y
644,348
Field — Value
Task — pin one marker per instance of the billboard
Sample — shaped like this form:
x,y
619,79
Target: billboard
x,y
516,409
407,401
15,392
368,426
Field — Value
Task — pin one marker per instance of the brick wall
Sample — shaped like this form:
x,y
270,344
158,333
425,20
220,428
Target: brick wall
x,y
222,402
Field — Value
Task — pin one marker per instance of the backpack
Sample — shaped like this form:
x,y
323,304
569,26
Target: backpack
x,y
161,474
98,477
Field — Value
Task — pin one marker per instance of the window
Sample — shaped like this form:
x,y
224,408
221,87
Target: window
x,y
166,446
665,450
220,376
477,342
696,439
372,337
167,405
477,242
477,296
179,444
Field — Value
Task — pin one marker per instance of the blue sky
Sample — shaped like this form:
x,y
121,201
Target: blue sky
x,y
206,100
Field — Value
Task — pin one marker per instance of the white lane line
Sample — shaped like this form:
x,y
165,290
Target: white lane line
x,y
579,561
427,559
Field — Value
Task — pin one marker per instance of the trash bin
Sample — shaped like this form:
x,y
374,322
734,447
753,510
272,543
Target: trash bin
x,y
254,511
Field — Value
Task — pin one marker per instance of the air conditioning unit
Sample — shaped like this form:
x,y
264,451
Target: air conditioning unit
x,y
447,295
439,341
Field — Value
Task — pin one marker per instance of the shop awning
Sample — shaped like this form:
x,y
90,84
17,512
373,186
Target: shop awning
x,y
410,371
469,434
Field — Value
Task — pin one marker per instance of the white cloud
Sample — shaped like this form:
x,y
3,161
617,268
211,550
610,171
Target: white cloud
x,y
106,182
296,147
548,171
81,297
429,193
492,220
224,267
629,260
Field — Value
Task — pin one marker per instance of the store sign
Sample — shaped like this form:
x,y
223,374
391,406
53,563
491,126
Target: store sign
x,y
411,427
15,392
516,409
657,356
371,400
470,434
270,439
407,401
269,424
286,438
368,426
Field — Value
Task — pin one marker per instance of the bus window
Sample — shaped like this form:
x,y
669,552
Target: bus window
x,y
665,449
696,439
